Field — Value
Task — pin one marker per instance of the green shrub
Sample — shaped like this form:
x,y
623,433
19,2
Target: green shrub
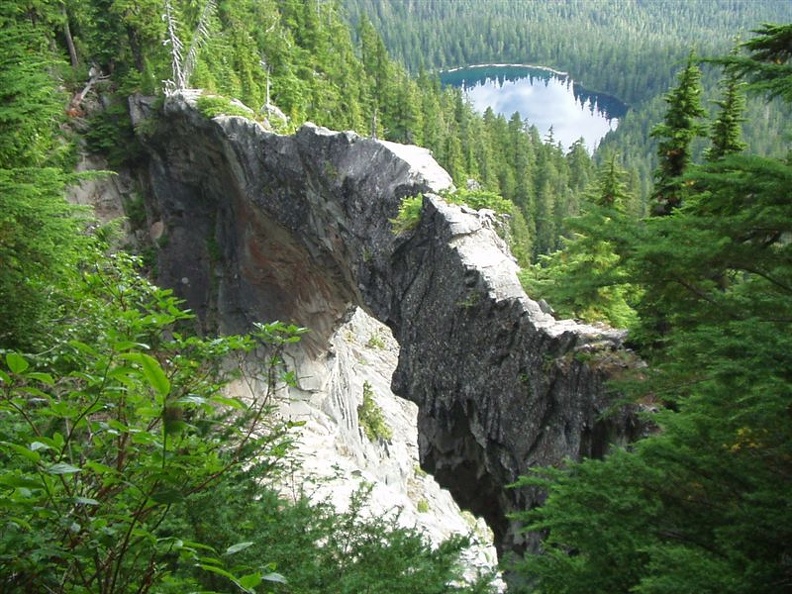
x,y
375,341
121,423
212,106
409,214
370,417
410,208
478,199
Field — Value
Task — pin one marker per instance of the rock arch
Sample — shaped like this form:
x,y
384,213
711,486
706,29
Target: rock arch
x,y
259,226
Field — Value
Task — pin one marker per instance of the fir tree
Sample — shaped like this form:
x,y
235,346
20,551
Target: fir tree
x,y
680,126
767,68
725,134
585,279
701,505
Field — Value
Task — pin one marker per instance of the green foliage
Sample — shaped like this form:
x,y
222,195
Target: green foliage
x,y
31,106
586,279
701,505
726,134
135,211
767,67
110,134
410,208
409,214
478,199
316,548
125,467
680,126
211,106
105,438
370,417
375,341
631,51
41,241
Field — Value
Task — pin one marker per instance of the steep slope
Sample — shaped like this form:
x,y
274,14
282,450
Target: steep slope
x,y
256,226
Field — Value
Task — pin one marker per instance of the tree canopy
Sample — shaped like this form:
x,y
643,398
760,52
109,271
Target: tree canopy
x,y
701,504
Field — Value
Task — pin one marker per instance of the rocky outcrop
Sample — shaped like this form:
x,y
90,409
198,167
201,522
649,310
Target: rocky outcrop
x,y
255,226
334,457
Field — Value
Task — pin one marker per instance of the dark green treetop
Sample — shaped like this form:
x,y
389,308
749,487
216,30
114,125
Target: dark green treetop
x,y
726,133
680,126
702,504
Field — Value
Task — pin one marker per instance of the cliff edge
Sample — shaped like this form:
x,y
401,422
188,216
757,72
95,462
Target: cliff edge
x,y
254,226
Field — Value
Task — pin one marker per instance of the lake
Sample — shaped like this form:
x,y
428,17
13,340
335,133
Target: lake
x,y
544,97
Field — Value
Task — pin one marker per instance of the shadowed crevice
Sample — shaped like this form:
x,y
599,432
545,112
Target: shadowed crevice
x,y
297,228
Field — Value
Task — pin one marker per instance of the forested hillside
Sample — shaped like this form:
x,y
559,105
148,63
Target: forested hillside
x,y
116,472
301,57
628,49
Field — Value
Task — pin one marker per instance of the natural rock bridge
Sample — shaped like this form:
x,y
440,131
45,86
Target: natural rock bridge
x,y
259,227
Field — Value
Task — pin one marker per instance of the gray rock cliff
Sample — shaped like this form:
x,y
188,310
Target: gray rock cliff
x,y
254,226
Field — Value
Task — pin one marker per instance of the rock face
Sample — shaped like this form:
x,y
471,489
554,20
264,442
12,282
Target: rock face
x,y
256,226
334,457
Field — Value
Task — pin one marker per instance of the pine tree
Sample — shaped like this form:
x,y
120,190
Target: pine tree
x,y
680,126
725,134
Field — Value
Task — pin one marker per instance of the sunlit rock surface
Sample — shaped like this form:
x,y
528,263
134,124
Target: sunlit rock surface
x,y
257,226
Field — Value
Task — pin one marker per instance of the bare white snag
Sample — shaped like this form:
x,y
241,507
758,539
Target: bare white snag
x,y
182,68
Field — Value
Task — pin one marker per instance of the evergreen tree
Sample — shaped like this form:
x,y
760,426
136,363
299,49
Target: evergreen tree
x,y
725,134
680,126
585,279
767,69
702,504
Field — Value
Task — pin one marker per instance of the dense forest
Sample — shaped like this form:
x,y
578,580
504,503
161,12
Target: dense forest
x,y
115,470
627,49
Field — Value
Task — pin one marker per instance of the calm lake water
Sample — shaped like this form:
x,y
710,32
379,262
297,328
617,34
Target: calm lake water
x,y
543,97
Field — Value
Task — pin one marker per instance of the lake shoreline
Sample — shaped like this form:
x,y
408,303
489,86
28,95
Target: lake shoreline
x,y
544,97
531,66
548,69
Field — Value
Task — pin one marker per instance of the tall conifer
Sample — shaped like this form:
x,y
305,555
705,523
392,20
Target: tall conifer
x,y
679,128
726,135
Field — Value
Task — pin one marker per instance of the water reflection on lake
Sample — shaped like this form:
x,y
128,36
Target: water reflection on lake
x,y
543,97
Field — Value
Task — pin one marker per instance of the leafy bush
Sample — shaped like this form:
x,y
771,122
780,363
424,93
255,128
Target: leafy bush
x,y
479,199
105,437
211,106
410,208
371,418
409,214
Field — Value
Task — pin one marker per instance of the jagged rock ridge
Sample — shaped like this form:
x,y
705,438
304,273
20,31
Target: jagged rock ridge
x,y
257,226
